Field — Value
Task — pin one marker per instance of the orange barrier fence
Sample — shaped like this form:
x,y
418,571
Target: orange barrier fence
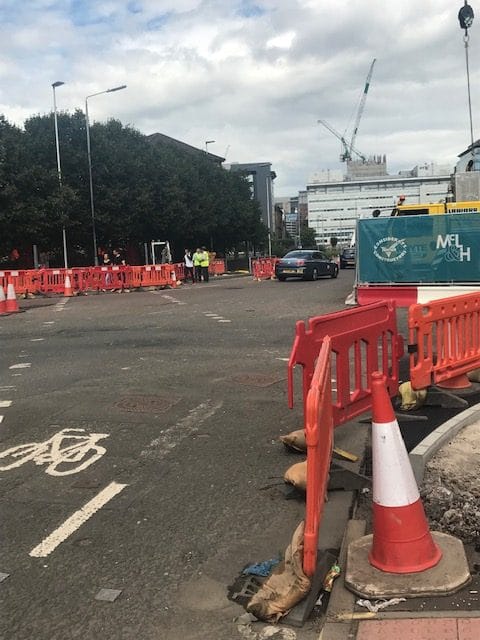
x,y
444,338
363,340
319,438
215,268
45,281
264,268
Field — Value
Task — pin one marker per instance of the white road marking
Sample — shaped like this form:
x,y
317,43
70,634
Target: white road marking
x,y
172,436
50,322
36,339
14,375
5,403
8,387
283,359
76,520
126,368
1,419
172,299
224,320
212,315
21,365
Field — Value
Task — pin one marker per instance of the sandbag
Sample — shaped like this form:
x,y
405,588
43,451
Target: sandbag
x,y
411,399
297,475
295,440
285,587
474,376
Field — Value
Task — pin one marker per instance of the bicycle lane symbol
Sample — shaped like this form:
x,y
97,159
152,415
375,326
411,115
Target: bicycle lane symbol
x,y
67,452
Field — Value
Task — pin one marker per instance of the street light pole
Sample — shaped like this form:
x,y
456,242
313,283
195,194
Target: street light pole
x,y
207,142
269,217
59,168
89,156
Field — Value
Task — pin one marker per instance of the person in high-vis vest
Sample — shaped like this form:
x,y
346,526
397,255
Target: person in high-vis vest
x,y
204,262
197,258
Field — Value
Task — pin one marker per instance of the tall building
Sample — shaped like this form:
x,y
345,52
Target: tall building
x,y
334,205
261,177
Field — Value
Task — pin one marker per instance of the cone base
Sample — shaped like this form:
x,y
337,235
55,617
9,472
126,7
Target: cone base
x,y
402,542
446,577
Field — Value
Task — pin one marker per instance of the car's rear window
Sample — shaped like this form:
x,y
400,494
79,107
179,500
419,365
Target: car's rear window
x,y
298,254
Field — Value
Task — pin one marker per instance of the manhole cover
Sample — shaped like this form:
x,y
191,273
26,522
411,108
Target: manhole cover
x,y
146,404
257,379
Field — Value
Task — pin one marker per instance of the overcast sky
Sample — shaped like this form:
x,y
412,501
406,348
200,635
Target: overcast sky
x,y
253,75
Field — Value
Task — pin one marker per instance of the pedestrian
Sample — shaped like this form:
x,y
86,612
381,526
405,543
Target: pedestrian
x,y
108,276
188,261
119,260
197,259
204,263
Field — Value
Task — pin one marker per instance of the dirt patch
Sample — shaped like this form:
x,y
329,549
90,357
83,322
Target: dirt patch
x,y
451,487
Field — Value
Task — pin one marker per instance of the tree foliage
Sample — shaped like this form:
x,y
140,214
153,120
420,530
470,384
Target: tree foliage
x,y
142,191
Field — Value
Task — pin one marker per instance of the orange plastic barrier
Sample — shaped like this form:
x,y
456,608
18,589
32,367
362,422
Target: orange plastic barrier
x,y
264,268
216,268
319,438
444,338
45,281
364,340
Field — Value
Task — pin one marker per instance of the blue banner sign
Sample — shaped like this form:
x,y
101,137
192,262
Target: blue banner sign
x,y
419,249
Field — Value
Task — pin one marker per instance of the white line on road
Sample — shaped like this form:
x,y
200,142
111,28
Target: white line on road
x,y
172,436
1,419
5,403
21,365
36,339
283,359
223,320
76,520
50,322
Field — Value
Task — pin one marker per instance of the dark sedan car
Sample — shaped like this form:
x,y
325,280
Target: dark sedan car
x,y
306,264
347,258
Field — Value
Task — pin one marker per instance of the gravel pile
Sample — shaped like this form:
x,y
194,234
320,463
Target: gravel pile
x,y
451,489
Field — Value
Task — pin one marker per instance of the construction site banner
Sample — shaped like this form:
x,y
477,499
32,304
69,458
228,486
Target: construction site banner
x,y
419,249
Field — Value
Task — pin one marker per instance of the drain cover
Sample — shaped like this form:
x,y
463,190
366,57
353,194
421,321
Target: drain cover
x,y
257,379
146,404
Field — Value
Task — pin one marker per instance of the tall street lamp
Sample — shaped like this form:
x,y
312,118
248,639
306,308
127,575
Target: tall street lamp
x,y
92,204
55,85
207,142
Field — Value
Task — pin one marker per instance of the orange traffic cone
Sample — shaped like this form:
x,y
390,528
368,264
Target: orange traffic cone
x,y
68,293
11,304
3,304
402,542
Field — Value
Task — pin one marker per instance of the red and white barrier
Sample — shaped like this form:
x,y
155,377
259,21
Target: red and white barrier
x,y
402,542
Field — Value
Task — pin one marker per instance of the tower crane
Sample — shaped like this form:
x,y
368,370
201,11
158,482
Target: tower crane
x,y
349,147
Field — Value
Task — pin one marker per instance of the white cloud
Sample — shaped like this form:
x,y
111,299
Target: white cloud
x,y
253,75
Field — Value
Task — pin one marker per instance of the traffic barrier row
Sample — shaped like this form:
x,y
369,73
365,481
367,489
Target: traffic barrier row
x,y
94,278
264,268
444,337
45,281
363,340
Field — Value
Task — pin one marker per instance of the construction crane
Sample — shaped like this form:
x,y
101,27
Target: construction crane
x,y
349,147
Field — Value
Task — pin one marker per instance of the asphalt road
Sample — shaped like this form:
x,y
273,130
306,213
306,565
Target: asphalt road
x,y
180,488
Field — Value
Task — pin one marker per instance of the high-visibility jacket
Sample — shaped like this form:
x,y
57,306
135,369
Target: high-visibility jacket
x,y
204,259
197,259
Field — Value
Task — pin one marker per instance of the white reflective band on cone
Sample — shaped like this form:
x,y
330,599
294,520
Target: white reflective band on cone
x,y
394,484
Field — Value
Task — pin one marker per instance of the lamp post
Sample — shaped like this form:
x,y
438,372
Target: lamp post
x,y
55,85
207,142
89,155
269,216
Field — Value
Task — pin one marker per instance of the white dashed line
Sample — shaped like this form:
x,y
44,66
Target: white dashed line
x,y
1,419
76,520
212,315
36,339
50,322
5,403
21,365
224,320
283,359
16,374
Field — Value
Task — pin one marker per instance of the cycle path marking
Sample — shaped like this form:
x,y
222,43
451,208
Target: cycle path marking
x,y
76,520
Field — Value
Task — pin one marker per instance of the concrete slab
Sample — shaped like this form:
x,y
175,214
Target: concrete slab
x,y
447,577
421,454
440,629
